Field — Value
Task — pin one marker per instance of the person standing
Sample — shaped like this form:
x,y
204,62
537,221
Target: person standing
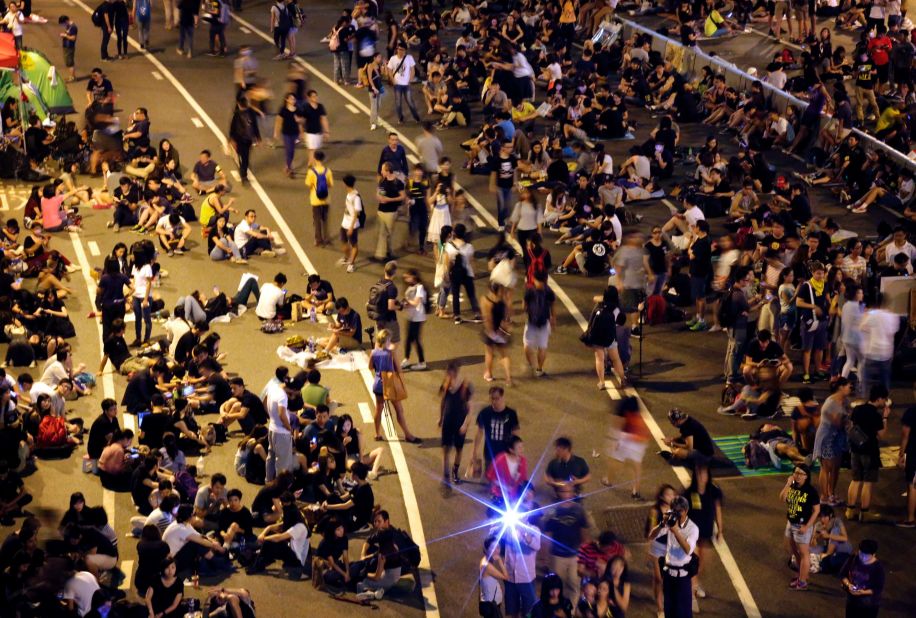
x,y
496,424
143,16
105,23
401,68
803,506
382,363
526,220
830,441
68,42
869,424
700,254
350,225
391,194
879,327
705,498
430,148
217,14
456,393
416,300
567,525
521,555
279,26
630,262
142,276
319,180
863,580
812,305
376,87
279,432
170,13
120,17
340,41
244,133
289,127
187,22
541,320
502,180
459,265
678,565
492,572
317,128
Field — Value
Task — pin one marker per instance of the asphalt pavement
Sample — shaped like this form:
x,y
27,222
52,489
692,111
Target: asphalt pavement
x,y
190,102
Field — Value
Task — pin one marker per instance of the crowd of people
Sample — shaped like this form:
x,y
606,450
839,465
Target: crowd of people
x,y
748,250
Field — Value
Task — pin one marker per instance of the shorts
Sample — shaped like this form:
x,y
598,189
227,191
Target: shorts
x,y
629,449
630,299
313,141
883,72
393,328
349,240
452,437
785,321
69,54
890,200
536,336
864,467
698,288
793,531
816,339
519,598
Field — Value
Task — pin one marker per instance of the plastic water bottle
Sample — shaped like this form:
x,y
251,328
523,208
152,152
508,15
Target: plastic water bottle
x,y
312,345
313,315
200,465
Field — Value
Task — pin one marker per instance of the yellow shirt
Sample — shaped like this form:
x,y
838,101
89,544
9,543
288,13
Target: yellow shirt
x,y
311,181
568,16
527,109
887,118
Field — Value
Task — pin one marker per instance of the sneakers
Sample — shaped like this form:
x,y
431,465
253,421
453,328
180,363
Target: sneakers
x,y
906,524
351,268
418,367
715,328
268,253
798,585
373,127
701,593
851,513
726,411
691,321
405,364
806,379
342,262
699,326
561,270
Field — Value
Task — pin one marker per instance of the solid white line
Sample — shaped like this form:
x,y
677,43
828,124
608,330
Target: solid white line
x,y
157,75
68,2
196,122
94,248
365,411
413,158
127,566
478,221
352,109
236,175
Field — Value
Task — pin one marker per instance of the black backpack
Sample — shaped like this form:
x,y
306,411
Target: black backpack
x,y
361,215
377,305
283,21
98,15
728,310
458,270
408,550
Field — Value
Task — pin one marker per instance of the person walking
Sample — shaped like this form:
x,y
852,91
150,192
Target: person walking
x,y
401,69
455,404
317,128
526,220
279,26
879,327
170,13
217,13
459,256
143,17
541,320
678,565
869,425
416,301
375,84
319,181
863,581
120,17
495,312
188,18
803,506
391,194
105,23
244,132
351,224
388,386
289,126
568,528
601,335
492,573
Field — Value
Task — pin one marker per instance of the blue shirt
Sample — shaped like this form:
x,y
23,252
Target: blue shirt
x,y
508,129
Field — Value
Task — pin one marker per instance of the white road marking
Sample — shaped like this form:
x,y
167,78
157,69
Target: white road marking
x,y
413,158
4,204
68,2
245,30
365,411
157,75
671,207
478,221
196,122
236,175
130,422
352,109
94,248
108,501
127,566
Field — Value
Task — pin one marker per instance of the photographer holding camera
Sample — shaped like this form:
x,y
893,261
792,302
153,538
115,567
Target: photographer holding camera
x,y
679,564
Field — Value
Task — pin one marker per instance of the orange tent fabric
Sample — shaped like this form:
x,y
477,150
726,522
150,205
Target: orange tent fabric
x,y
9,55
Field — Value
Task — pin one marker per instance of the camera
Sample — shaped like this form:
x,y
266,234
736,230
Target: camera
x,y
670,519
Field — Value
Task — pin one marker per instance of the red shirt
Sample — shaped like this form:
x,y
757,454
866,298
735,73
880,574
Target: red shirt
x,y
878,48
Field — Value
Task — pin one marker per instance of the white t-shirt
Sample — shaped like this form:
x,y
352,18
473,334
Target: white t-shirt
x,y
271,298
159,519
163,224
694,214
14,23
418,313
242,233
352,206
41,388
780,126
299,541
54,373
402,76
675,554
878,328
175,328
555,70
777,79
606,165
466,251
176,536
907,249
276,399
80,589
521,66
643,167
142,277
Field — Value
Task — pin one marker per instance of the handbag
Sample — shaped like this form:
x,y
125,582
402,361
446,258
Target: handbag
x,y
393,388
857,437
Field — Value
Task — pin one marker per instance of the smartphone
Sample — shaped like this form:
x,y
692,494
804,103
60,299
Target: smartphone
x,y
659,147
187,391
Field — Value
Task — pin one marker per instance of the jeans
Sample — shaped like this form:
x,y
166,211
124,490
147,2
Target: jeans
x,y
343,60
280,39
402,93
243,148
468,284
193,312
503,200
659,284
186,35
374,101
124,216
389,578
413,337
386,222
250,287
734,353
289,147
106,38
279,454
143,28
217,32
121,34
218,254
254,245
144,313
876,372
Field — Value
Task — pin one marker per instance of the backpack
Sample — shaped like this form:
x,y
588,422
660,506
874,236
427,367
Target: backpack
x,y
459,270
377,305
295,15
408,550
334,40
756,455
52,431
186,485
321,183
656,308
98,15
727,313
283,21
535,265
361,215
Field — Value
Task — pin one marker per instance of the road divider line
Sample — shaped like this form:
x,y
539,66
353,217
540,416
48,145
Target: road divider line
x,y
127,566
196,122
94,248
352,109
235,175
365,411
157,76
478,221
413,159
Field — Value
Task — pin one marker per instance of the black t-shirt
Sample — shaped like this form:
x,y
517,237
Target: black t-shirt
x,y
101,427
99,90
538,305
363,503
140,491
10,486
154,426
323,291
658,262
576,467
312,117
242,517
498,427
139,392
117,351
219,389
332,547
184,347
703,507
909,420
390,188
596,255
701,440
800,502
257,415
206,172
701,263
870,420
111,289
187,11
772,351
264,500
770,242
565,528
290,120
391,291
505,170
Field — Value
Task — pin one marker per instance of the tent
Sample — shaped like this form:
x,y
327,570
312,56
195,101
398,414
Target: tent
x,y
43,76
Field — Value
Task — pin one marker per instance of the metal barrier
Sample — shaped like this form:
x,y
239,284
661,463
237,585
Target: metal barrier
x,y
691,60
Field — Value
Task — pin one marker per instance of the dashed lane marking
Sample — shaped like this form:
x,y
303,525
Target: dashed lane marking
x,y
196,122
94,248
157,76
352,109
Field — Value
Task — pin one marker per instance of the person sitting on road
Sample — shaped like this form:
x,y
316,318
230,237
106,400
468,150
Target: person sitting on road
x,y
173,232
692,444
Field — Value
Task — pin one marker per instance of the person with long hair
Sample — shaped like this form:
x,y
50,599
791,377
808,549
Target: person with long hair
x,y
601,334
142,276
552,603
803,506
830,441
496,335
456,393
850,334
415,303
658,546
151,551
351,441
492,573
526,219
381,361
286,540
705,499
163,597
